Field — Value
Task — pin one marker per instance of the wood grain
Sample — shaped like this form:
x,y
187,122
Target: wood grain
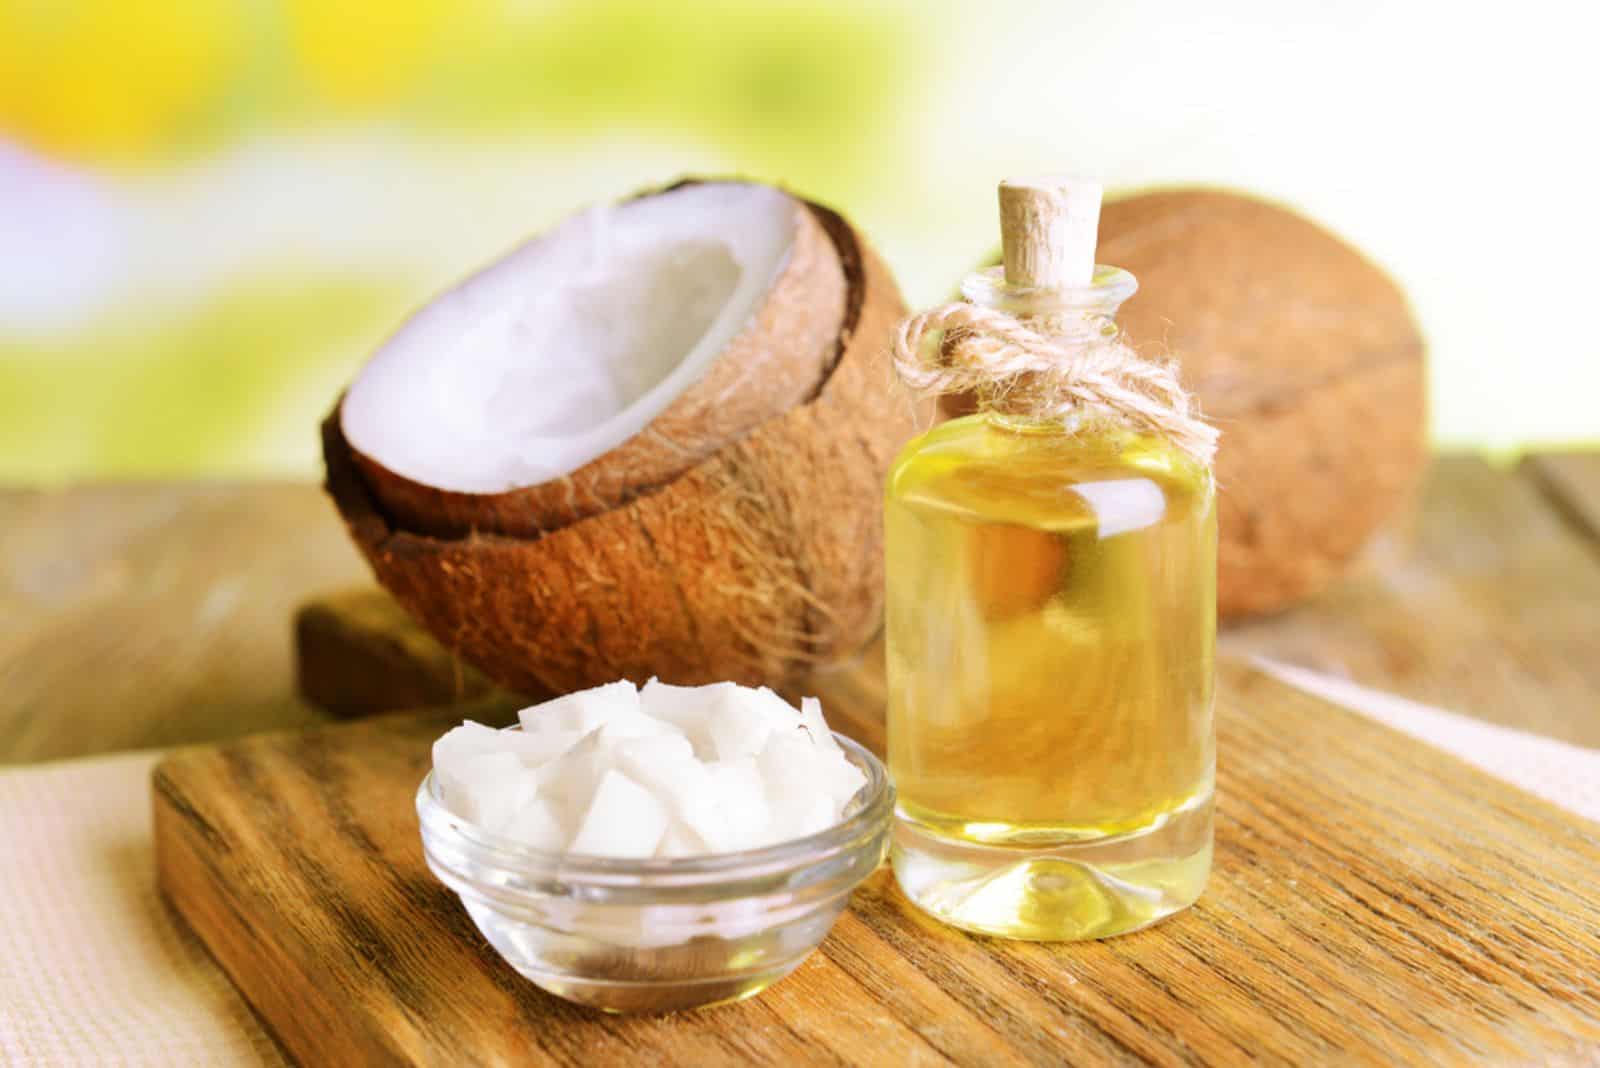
x,y
357,653
1570,482
1374,901
136,615
1485,601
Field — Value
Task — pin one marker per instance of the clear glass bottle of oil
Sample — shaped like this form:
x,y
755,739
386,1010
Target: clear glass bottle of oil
x,y
1051,630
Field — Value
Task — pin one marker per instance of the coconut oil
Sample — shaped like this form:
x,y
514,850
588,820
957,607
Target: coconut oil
x,y
1051,628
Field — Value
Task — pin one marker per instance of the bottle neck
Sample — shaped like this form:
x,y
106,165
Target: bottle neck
x,y
1075,316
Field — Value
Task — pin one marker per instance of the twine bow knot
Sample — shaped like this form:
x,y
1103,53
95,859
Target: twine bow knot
x,y
1015,368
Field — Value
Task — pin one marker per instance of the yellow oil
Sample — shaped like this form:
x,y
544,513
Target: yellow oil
x,y
1051,633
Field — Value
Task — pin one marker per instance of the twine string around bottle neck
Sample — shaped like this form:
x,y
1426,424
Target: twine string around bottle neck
x,y
1017,369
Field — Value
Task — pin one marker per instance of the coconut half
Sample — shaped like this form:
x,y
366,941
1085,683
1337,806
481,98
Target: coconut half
x,y
597,361
727,528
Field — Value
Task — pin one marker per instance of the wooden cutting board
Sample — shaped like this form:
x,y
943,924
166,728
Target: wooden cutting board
x,y
1374,900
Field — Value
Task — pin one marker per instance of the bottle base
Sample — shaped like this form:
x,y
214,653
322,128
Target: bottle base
x,y
1075,891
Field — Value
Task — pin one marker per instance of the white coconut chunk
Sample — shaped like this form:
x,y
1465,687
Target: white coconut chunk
x,y
792,767
582,711
650,750
705,814
487,788
471,739
667,701
665,765
474,739
789,765
794,772
623,820
535,824
569,782
525,372
459,745
733,920
537,750
740,792
773,707
815,725
687,708
739,720
838,779
625,728
737,725
802,815
681,841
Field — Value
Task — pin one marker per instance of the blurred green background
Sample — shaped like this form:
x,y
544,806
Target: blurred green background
x,y
210,212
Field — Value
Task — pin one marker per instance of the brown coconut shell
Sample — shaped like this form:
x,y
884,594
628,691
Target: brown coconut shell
x,y
764,558
1307,357
771,365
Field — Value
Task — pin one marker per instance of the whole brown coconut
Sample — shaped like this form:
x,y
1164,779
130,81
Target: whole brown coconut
x,y
760,557
1305,355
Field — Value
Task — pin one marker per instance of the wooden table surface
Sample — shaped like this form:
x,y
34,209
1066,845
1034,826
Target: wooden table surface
x,y
1383,903
156,614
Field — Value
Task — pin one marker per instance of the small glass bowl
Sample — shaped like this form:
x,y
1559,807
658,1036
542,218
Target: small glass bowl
x,y
659,935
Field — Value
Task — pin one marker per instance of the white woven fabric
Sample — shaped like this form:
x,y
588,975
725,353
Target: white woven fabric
x,y
95,970
1560,772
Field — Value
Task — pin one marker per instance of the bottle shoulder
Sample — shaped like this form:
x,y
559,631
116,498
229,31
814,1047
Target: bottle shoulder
x,y
992,468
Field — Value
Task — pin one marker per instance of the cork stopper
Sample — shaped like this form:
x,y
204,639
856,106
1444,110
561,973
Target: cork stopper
x,y
1048,229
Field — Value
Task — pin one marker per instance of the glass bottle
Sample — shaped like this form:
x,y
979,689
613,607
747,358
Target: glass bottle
x,y
1051,623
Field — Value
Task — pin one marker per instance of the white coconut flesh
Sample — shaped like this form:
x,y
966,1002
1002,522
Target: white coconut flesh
x,y
574,343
